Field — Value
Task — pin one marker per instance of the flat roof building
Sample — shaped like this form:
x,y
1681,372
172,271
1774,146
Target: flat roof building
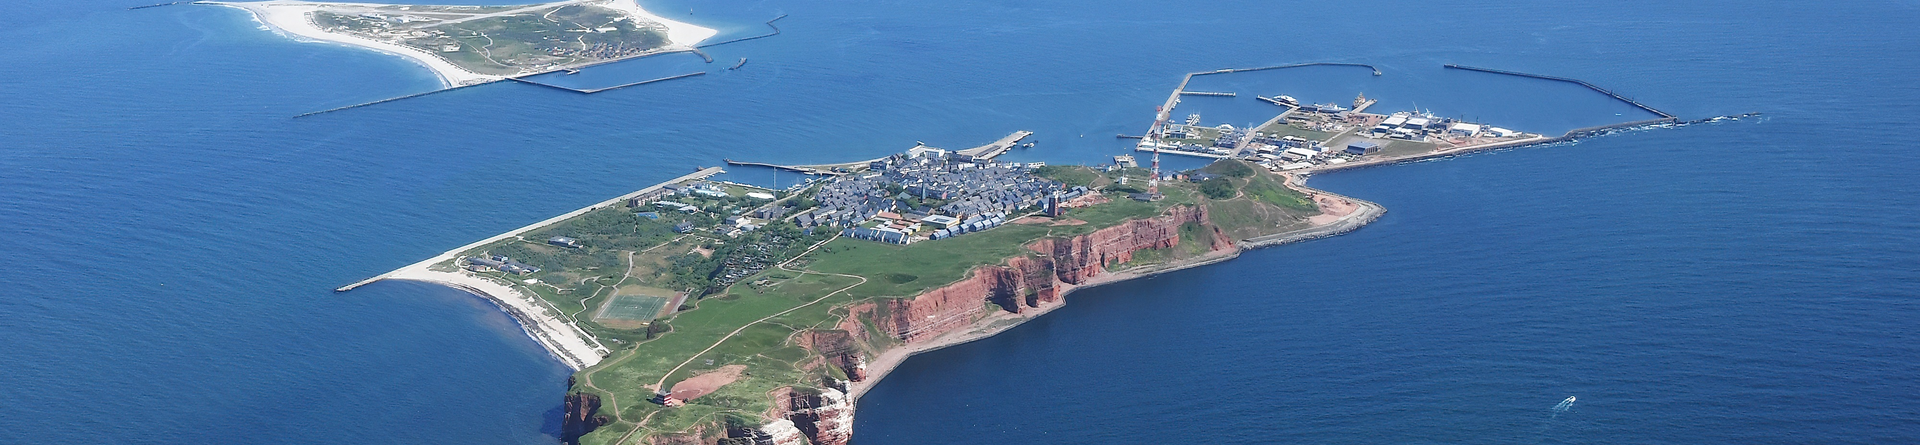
x,y
1363,148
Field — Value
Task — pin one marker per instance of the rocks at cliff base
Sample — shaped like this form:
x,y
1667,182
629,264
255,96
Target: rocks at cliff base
x,y
580,415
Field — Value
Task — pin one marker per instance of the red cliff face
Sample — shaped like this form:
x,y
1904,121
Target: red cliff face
x,y
824,417
1031,282
1082,257
579,417
839,349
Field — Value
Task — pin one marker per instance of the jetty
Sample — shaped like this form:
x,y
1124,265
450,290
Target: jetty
x,y
1583,83
743,62
998,147
1209,93
451,254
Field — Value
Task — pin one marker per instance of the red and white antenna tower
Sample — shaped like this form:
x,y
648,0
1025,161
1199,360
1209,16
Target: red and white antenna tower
x,y
1153,137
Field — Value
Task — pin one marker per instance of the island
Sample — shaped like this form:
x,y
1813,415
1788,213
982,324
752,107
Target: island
x,y
705,311
470,45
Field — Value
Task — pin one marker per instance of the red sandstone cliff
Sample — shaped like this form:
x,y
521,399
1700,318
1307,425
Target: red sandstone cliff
x,y
1031,282
838,348
825,417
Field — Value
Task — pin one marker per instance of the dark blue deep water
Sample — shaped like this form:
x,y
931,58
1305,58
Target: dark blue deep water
x,y
170,235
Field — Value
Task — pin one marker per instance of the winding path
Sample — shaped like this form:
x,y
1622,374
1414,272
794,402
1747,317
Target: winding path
x,y
782,266
587,377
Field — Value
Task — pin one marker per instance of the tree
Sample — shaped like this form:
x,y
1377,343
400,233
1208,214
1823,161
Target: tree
x,y
657,327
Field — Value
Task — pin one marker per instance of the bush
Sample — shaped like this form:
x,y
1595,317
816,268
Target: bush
x,y
1218,188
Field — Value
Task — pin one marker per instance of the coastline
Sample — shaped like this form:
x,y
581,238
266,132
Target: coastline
x,y
289,18
562,339
1364,213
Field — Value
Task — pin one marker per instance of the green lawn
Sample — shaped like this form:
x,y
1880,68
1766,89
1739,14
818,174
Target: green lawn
x,y
633,307
1282,129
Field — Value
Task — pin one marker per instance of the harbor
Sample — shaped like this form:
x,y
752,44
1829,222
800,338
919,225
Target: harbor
x,y
1308,137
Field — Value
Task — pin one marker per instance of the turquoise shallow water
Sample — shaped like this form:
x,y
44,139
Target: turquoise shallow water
x,y
173,235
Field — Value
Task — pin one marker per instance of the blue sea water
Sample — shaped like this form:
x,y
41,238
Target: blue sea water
x,y
172,235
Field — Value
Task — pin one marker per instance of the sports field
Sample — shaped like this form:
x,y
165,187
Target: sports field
x,y
632,307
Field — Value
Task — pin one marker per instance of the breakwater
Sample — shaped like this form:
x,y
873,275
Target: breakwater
x,y
776,31
1570,136
1569,80
611,88
1376,71
391,99
156,5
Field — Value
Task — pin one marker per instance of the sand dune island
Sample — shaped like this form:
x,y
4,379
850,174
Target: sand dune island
x,y
467,45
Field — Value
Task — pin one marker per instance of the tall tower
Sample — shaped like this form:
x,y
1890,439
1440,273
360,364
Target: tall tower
x,y
1159,122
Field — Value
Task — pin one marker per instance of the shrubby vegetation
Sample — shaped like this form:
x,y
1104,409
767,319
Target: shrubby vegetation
x,y
1218,188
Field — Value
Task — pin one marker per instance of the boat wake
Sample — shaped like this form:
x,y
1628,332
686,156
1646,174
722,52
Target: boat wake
x,y
1563,406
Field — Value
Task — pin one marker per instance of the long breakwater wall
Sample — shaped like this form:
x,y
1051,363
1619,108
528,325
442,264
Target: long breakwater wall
x,y
611,88
1583,83
391,99
776,31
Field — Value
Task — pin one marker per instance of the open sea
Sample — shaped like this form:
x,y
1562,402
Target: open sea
x,y
171,235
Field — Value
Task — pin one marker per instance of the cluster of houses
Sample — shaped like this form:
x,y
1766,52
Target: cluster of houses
x,y
748,260
499,263
975,195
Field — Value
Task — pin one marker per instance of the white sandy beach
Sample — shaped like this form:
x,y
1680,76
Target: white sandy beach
x,y
682,34
561,339
289,17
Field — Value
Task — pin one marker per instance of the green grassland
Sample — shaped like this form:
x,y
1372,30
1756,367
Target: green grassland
x,y
627,255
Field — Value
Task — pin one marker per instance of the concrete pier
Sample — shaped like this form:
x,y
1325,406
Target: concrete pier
x,y
451,254
998,147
